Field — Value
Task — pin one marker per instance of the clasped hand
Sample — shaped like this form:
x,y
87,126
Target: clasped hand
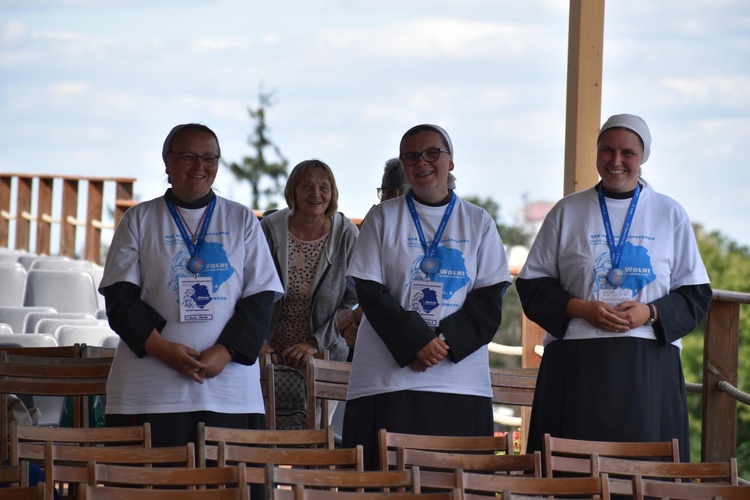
x,y
618,319
430,355
187,361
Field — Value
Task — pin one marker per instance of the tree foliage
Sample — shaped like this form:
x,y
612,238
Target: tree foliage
x,y
265,177
728,266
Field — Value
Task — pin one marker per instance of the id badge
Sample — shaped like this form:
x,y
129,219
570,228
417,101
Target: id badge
x,y
615,296
425,298
195,299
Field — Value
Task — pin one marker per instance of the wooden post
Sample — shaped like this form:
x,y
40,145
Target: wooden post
x,y
69,209
92,245
44,208
5,186
23,205
584,93
720,362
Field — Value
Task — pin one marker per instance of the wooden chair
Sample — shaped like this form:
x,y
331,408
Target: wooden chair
x,y
65,465
438,468
14,475
345,458
312,494
120,493
209,438
33,375
621,471
389,442
326,380
23,493
476,485
573,456
290,478
652,488
165,477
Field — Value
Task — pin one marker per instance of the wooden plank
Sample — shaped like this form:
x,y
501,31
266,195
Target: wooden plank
x,y
584,93
93,240
69,209
44,208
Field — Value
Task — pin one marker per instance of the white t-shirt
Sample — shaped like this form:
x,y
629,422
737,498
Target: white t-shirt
x,y
660,253
388,251
148,250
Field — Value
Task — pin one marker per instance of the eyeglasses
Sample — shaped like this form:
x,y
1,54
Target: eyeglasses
x,y
429,154
188,159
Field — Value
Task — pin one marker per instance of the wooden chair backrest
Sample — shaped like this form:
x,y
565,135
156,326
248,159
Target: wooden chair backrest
x,y
23,492
171,477
209,438
326,380
285,477
68,463
348,458
47,376
621,471
15,475
478,485
437,469
513,386
653,488
389,442
313,494
123,493
574,455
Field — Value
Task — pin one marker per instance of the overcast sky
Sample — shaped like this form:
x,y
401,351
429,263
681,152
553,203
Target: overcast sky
x,y
92,87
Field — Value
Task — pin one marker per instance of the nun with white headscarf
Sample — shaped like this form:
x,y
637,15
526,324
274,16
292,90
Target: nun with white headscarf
x,y
616,280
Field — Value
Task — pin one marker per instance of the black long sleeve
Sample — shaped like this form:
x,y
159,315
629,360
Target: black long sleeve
x,y
681,310
403,332
246,329
476,323
544,302
130,317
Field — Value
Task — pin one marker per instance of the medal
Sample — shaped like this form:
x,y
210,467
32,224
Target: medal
x,y
429,265
616,276
196,264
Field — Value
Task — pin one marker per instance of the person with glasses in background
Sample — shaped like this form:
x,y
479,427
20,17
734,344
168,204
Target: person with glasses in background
x,y
430,273
189,284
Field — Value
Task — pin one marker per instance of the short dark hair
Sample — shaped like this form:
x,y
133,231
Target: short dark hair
x,y
298,172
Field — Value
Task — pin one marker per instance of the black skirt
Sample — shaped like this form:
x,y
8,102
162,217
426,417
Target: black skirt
x,y
610,389
413,412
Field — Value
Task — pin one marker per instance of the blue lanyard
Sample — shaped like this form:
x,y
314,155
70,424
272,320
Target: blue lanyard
x,y
615,251
194,249
432,248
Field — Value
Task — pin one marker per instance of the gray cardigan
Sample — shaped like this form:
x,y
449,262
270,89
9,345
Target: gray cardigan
x,y
330,293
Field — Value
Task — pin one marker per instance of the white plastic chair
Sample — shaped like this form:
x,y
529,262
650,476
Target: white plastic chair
x,y
66,291
5,329
22,340
95,335
15,316
60,264
13,279
27,259
51,324
32,318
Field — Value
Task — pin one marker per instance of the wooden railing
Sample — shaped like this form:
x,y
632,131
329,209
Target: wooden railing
x,y
25,187
721,343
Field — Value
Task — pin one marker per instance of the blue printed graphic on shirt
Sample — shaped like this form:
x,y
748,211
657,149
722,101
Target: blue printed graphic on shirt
x,y
196,295
452,273
636,263
218,267
425,300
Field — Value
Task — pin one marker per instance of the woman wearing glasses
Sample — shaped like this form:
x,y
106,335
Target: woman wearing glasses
x,y
430,273
189,284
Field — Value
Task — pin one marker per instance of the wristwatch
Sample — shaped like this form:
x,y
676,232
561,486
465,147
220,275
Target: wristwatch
x,y
652,315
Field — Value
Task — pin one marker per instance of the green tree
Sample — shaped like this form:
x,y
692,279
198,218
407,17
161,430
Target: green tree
x,y
265,177
728,266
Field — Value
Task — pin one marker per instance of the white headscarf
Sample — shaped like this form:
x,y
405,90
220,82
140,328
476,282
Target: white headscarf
x,y
634,123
